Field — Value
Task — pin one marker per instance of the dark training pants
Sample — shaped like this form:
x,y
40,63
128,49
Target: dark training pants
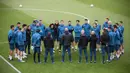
x,y
85,53
28,46
64,51
92,52
51,54
36,50
105,49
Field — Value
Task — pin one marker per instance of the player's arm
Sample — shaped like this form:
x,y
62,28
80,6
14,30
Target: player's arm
x,y
72,40
9,37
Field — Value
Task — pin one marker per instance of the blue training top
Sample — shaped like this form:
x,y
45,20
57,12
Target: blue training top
x,y
77,30
36,40
11,37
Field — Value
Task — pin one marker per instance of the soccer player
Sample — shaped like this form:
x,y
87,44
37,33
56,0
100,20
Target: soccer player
x,y
42,27
11,40
28,38
51,30
61,30
122,37
93,39
77,30
33,27
38,27
67,39
87,28
96,29
83,43
117,41
49,45
70,27
36,43
110,25
16,39
56,25
105,25
98,41
24,27
111,42
20,45
18,26
104,45
56,34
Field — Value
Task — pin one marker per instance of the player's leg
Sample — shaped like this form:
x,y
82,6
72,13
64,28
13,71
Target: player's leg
x,y
94,52
63,53
122,46
80,54
16,50
57,44
103,54
76,43
21,48
11,51
57,41
46,54
69,53
25,46
107,49
38,51
112,52
98,45
29,44
34,55
51,54
118,51
86,55
60,45
91,55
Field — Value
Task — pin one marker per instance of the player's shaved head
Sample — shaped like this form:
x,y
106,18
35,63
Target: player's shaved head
x,y
66,29
82,32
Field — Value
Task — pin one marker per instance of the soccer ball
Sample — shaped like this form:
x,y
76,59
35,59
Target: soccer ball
x,y
20,5
91,5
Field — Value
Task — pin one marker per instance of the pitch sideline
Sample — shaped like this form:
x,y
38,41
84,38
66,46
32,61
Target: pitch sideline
x,y
10,64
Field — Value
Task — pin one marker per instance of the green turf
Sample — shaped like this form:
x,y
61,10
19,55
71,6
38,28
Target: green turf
x,y
5,68
11,16
116,6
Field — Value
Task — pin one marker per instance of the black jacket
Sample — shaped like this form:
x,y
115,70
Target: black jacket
x,y
83,42
28,34
93,41
56,29
67,39
48,42
104,39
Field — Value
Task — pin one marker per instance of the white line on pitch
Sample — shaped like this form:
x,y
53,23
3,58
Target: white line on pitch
x,y
10,64
64,12
3,42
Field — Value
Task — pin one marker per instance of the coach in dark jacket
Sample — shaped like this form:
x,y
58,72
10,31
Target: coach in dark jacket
x,y
104,45
49,45
83,43
28,38
93,40
56,34
67,39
